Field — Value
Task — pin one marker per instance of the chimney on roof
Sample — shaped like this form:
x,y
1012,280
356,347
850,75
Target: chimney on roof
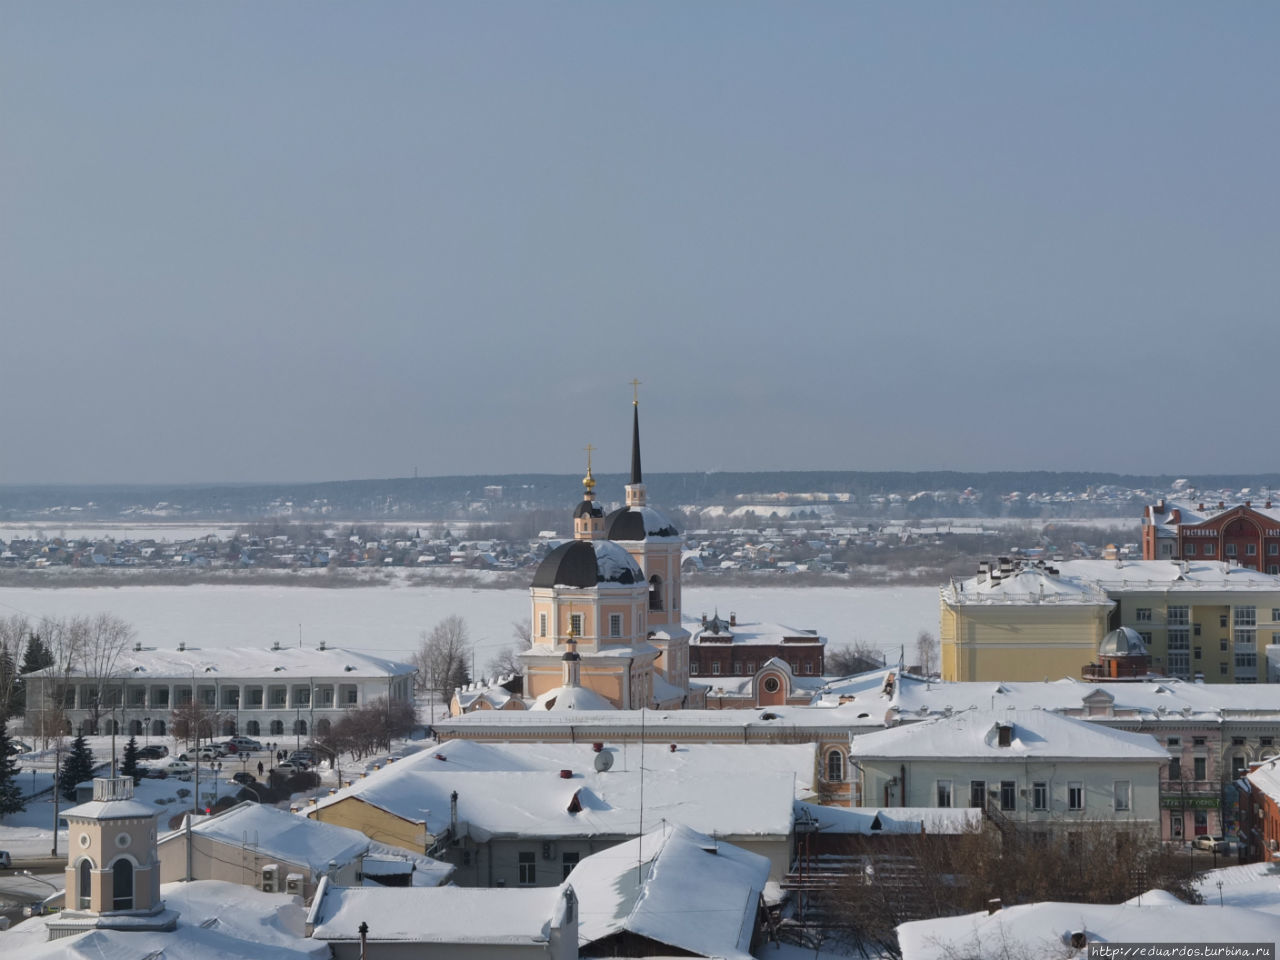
x,y
704,619
1006,566
1222,505
1202,506
1248,503
182,645
993,906
1175,515
733,619
275,645
1159,507
1268,505
137,645
321,644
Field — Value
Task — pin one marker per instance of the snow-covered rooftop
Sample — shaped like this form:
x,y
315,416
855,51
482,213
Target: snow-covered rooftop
x,y
1025,585
753,632
1179,576
1044,929
217,920
461,915
517,789
226,663
1036,734
875,821
278,833
647,886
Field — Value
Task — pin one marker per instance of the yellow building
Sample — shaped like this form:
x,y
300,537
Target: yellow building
x,y
1203,620
1015,621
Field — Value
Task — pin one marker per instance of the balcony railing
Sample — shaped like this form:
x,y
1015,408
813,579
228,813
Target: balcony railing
x,y
1193,788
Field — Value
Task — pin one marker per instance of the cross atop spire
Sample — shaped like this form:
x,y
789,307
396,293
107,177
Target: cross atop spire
x,y
589,481
635,393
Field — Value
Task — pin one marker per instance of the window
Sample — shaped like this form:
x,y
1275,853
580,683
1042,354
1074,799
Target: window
x,y
528,868
1191,550
715,668
1173,742
1175,826
1040,795
1075,795
1273,569
1210,549
808,667
1146,637
1222,644
568,860
542,624
1179,616
835,766
1196,629
977,793
615,624
1008,795
575,624
1179,663
1143,614
1197,653
1120,790
1250,549
655,592
1175,768
1273,549
1199,767
1246,661
122,885
693,669
1230,550
1222,620
737,668
351,695
1245,616
85,885
1197,741
944,793
1237,768
1222,669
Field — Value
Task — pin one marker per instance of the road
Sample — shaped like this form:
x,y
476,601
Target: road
x,y
16,890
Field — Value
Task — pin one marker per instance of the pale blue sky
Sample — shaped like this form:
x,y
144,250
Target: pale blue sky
x,y
260,241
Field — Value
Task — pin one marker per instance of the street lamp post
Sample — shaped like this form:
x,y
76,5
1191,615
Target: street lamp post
x,y
146,729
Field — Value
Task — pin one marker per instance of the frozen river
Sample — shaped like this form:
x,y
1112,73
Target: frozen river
x,y
388,619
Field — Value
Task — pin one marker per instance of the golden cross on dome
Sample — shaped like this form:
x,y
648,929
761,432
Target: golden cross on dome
x,y
635,393
589,449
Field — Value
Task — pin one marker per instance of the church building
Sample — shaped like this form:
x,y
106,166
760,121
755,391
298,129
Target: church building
x,y
606,608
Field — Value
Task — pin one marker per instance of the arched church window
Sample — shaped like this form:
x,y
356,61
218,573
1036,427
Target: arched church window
x,y
655,592
835,766
84,885
122,884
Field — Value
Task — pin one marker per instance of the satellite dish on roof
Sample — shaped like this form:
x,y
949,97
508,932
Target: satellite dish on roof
x,y
604,761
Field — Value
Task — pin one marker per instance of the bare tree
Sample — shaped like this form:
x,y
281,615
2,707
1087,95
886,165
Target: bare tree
x,y
507,660
443,658
927,653
850,659
105,638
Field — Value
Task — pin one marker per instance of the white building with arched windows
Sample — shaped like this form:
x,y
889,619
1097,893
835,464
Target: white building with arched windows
x,y
249,691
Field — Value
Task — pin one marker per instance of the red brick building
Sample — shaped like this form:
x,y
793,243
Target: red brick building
x,y
732,648
1261,813
1245,534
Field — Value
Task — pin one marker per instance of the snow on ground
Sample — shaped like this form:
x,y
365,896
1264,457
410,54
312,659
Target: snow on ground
x,y
1253,885
387,620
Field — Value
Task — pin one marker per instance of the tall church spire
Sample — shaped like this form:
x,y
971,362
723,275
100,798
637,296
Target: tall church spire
x,y
635,489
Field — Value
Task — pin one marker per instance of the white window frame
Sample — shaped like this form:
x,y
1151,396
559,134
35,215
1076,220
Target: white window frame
x,y
615,624
1075,796
944,793
1040,795
1122,792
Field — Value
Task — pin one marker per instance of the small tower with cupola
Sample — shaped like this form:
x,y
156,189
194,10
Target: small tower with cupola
x,y
113,870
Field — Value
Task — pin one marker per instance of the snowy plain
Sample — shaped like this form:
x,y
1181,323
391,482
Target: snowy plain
x,y
388,619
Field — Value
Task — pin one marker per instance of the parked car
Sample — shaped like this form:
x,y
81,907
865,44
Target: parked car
x,y
293,766
245,744
17,748
1217,844
243,777
6,862
153,751
210,752
307,756
179,768
153,773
